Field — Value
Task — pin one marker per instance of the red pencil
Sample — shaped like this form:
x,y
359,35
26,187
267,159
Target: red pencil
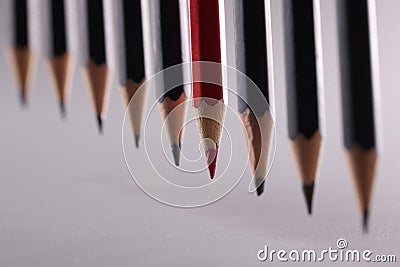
x,y
206,46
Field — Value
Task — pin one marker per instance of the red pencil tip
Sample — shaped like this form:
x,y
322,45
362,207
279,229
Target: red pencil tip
x,y
211,156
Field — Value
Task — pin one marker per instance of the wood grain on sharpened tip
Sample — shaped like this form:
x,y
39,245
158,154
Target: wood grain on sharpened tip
x,y
306,152
363,166
173,113
255,95
61,62
360,85
23,61
21,54
304,82
209,122
259,132
62,68
206,46
99,77
98,73
135,101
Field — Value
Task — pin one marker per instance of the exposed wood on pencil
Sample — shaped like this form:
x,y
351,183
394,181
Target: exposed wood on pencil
x,y
60,57
360,92
363,165
99,77
206,46
130,61
307,156
62,68
304,86
254,58
135,101
22,55
166,46
173,113
23,61
259,133
209,119
98,66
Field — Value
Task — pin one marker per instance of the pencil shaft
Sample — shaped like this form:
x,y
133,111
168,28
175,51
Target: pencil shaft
x,y
252,26
205,43
58,28
171,43
96,31
21,30
301,68
252,54
206,46
133,39
356,74
359,82
170,33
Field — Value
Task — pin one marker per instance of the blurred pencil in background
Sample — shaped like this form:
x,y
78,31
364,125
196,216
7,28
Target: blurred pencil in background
x,y
304,87
59,33
96,49
130,60
22,52
360,88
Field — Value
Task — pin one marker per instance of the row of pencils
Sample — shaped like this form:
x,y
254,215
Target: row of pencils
x,y
141,38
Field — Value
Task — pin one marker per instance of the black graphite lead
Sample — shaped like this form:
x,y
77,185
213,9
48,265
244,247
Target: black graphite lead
x,y
356,74
171,42
21,35
301,69
96,32
58,27
133,40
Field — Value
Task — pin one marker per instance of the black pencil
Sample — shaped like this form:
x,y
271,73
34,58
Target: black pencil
x,y
254,59
97,60
163,33
360,84
304,82
22,54
130,60
59,51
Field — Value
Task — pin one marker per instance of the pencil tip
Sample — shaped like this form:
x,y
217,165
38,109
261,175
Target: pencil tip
x,y
23,98
176,152
260,184
63,110
365,221
308,190
211,156
100,123
137,138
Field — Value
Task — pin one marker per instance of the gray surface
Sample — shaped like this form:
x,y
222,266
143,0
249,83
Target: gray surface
x,y
66,198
